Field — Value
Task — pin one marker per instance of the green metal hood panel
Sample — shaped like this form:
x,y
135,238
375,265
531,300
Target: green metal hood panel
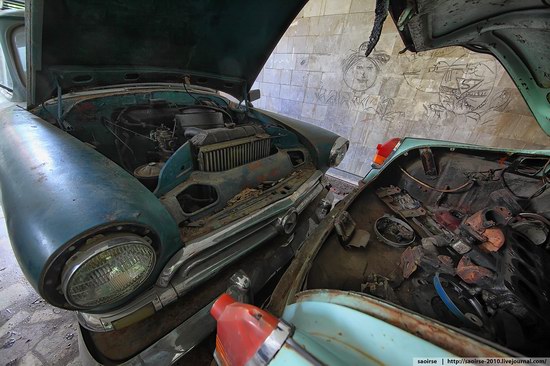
x,y
222,44
516,32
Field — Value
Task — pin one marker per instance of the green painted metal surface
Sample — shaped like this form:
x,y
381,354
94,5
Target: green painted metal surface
x,y
318,140
55,189
409,144
336,334
176,170
220,43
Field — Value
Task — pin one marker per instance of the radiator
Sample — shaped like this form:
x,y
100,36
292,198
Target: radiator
x,y
231,154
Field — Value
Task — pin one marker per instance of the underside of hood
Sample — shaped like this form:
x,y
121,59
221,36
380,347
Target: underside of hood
x,y
516,32
221,44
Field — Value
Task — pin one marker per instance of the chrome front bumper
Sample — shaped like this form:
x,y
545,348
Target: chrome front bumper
x,y
169,348
188,268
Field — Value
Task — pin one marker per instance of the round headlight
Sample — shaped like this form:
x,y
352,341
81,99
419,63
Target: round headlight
x,y
338,151
108,272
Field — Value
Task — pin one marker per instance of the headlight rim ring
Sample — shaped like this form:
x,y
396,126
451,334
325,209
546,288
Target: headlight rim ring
x,y
109,242
341,142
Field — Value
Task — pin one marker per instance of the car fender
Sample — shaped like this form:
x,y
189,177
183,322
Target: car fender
x,y
56,189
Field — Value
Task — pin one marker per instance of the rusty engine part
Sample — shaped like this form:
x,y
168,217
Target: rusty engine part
x,y
491,266
482,227
418,256
428,162
148,174
473,274
393,231
379,286
403,204
344,226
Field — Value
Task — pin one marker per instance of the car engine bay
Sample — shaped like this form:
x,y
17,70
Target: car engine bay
x,y
147,134
460,236
200,154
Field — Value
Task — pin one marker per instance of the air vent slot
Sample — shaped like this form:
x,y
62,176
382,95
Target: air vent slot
x,y
225,156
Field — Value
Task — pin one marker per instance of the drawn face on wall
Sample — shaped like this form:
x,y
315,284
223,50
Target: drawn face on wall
x,y
362,74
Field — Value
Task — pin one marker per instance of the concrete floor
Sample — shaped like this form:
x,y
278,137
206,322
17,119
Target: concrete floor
x,y
31,331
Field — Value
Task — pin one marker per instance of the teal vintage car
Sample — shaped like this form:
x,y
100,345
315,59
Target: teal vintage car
x,y
444,248
138,181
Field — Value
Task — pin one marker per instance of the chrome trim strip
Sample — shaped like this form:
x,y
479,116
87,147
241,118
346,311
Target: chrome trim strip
x,y
177,285
336,150
196,246
271,345
169,348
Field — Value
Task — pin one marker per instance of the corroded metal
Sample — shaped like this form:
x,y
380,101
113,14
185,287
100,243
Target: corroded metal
x,y
472,274
449,338
481,225
166,331
203,257
295,275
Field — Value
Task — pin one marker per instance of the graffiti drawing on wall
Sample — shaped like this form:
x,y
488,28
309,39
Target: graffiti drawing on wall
x,y
384,110
466,90
345,99
360,72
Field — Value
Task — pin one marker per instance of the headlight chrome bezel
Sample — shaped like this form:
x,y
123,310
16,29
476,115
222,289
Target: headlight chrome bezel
x,y
338,151
109,242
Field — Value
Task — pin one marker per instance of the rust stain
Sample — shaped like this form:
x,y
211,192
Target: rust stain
x,y
337,340
495,240
471,273
435,333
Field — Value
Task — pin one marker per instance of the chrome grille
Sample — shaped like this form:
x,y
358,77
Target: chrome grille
x,y
231,154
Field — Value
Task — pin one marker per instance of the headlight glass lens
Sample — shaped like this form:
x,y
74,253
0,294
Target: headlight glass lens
x,y
109,272
338,151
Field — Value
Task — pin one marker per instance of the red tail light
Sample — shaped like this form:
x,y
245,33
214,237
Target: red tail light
x,y
383,151
241,331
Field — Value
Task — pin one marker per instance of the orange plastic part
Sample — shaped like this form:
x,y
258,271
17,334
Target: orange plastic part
x,y
384,150
241,330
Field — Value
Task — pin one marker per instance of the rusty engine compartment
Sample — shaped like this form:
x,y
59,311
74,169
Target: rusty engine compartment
x,y
201,155
459,236
148,134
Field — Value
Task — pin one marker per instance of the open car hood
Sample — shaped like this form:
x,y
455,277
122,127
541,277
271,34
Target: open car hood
x,y
220,44
516,32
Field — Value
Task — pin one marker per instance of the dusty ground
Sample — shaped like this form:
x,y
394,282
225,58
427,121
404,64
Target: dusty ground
x,y
31,331
35,333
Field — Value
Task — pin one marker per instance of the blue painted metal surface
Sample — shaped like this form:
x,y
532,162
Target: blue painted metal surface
x,y
350,336
318,140
56,188
409,144
176,170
